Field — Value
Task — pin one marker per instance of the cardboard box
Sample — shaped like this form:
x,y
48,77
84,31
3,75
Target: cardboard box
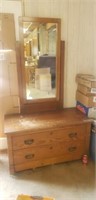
x,y
86,80
85,76
90,112
27,197
39,71
86,90
45,82
89,101
43,79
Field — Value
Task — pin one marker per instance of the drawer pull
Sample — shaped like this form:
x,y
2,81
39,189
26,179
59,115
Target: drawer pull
x,y
73,135
29,142
29,156
71,149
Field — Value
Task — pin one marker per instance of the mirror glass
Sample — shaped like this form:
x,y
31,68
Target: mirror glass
x,y
40,39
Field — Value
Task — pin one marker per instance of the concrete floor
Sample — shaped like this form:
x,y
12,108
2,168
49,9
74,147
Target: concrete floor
x,y
66,181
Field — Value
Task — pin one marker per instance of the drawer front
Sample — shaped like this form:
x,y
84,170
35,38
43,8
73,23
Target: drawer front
x,y
73,133
31,140
48,151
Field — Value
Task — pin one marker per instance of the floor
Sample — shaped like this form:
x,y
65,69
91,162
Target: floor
x,y
66,181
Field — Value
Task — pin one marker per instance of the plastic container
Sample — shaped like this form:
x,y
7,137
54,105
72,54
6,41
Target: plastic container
x,y
93,142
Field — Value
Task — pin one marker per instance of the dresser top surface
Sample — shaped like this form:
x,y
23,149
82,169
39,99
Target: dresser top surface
x,y
46,120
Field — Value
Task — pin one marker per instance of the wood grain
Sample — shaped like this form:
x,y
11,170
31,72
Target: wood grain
x,y
46,138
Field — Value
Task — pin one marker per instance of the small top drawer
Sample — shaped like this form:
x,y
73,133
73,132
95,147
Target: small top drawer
x,y
48,137
31,140
69,134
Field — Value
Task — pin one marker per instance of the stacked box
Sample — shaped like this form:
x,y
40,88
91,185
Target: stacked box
x,y
43,79
89,111
86,80
86,94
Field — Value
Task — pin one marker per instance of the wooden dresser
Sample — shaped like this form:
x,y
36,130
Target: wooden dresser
x,y
46,138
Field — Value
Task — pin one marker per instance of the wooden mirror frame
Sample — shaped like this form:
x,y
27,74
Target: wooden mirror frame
x,y
47,104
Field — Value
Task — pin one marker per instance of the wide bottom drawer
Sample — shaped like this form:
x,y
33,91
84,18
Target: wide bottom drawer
x,y
48,151
47,161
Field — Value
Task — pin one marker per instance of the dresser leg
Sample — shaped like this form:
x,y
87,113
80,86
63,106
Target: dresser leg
x,y
12,170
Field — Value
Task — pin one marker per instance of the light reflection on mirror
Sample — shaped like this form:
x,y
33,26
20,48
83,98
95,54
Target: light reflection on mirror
x,y
40,46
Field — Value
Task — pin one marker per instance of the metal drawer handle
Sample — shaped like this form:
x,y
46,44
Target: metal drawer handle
x,y
29,142
29,156
71,149
72,135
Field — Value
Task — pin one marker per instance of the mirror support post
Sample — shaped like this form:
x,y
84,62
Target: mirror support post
x,y
62,59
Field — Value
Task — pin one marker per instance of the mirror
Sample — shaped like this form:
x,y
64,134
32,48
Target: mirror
x,y
40,59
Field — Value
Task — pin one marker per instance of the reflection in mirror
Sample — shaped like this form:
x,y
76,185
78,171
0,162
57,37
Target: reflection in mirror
x,y
40,49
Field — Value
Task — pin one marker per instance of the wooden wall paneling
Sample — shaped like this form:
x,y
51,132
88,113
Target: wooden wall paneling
x,y
94,39
39,8
8,31
44,9
72,52
86,38
64,6
56,8
31,8
63,15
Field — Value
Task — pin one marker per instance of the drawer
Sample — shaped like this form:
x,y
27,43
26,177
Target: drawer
x,y
48,151
31,140
73,133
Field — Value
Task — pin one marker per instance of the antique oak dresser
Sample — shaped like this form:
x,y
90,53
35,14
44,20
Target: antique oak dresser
x,y
47,138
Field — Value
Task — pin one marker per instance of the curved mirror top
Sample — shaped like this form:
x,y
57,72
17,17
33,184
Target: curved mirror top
x,y
40,41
